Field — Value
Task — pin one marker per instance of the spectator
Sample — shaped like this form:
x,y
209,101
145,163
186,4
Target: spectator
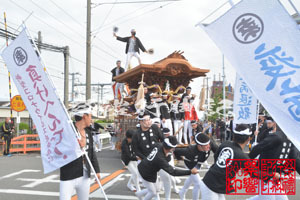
x,y
7,130
222,127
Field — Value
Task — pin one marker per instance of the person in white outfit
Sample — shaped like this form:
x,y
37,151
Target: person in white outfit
x,y
76,174
129,159
194,156
177,116
119,87
133,46
96,135
154,162
112,129
166,178
165,113
190,115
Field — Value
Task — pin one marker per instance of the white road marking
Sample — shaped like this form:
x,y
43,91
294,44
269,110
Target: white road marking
x,y
98,192
36,182
48,179
106,147
111,196
29,192
18,173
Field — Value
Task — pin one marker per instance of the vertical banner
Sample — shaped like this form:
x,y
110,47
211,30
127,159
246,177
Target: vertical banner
x,y
59,144
261,41
245,103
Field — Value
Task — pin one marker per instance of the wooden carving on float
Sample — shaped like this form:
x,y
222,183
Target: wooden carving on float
x,y
174,68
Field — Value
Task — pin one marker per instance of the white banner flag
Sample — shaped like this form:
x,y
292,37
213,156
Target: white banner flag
x,y
245,103
261,40
59,144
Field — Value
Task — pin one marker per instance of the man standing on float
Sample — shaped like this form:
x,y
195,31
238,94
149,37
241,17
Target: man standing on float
x,y
133,46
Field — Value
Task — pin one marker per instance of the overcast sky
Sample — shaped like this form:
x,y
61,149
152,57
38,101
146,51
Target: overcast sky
x,y
163,26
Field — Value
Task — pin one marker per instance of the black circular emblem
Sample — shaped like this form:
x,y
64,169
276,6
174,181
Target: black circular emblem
x,y
248,28
20,56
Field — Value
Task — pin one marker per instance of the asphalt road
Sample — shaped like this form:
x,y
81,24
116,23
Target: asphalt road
x,y
22,178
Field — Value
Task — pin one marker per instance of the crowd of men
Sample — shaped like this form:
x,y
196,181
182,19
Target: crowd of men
x,y
149,151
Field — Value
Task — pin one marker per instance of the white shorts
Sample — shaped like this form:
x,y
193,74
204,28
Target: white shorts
x,y
81,185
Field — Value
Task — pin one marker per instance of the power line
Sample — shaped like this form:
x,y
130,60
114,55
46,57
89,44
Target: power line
x,y
100,40
95,46
152,10
42,21
133,2
56,77
75,41
45,46
65,12
106,17
122,17
70,28
47,67
134,17
80,61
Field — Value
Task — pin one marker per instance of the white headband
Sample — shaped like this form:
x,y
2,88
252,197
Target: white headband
x,y
167,141
143,118
81,109
200,143
82,112
269,121
244,132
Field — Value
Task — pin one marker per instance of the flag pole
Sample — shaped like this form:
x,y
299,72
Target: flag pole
x,y
78,136
294,7
9,79
257,114
224,93
94,172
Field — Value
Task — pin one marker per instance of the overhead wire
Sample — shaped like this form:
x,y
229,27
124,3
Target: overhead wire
x,y
57,19
70,28
122,17
105,18
97,47
65,12
42,21
60,31
134,17
80,61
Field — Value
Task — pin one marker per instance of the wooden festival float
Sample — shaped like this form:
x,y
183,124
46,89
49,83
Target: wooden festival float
x,y
171,74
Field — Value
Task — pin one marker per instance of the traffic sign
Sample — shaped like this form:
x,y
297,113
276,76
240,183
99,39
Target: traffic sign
x,y
17,104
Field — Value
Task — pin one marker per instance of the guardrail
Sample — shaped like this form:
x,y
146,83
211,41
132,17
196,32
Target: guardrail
x,y
30,142
25,143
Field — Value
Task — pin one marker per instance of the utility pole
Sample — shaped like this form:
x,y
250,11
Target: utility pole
x,y
88,52
98,94
98,91
66,76
224,106
73,84
102,93
207,91
39,41
96,85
